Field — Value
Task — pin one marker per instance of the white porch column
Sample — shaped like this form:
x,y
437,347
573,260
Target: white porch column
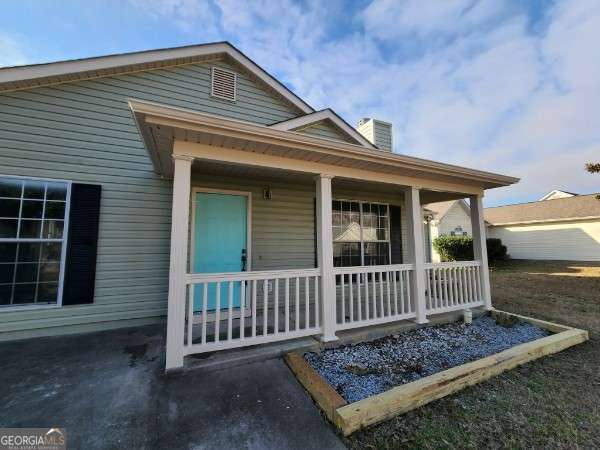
x,y
479,246
325,257
178,261
416,251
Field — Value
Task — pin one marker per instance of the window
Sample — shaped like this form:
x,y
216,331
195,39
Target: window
x,y
360,233
33,229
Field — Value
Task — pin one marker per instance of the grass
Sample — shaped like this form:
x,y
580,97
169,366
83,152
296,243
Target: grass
x,y
553,402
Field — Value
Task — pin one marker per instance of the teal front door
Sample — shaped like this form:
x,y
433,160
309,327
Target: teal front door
x,y
220,244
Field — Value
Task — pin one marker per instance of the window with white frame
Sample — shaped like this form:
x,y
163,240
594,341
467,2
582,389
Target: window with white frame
x,y
33,230
360,233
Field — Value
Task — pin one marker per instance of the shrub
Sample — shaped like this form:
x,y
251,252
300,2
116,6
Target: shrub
x,y
460,248
495,250
454,248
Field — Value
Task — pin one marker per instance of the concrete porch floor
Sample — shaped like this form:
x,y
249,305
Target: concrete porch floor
x,y
108,390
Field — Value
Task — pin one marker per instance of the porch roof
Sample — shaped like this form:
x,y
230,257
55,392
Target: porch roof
x,y
161,126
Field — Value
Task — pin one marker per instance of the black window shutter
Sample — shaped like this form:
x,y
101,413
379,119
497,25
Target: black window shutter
x,y
396,234
80,268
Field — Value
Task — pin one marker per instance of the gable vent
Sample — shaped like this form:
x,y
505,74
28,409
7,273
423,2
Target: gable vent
x,y
223,84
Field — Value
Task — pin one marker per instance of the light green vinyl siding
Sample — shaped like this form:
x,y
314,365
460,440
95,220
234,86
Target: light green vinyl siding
x,y
84,132
325,129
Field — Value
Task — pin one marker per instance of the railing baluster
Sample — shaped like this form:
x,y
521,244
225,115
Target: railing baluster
x,y
230,310
276,307
409,300
381,295
297,285
389,299
218,314
367,299
374,285
395,288
351,294
265,306
316,303
342,276
403,308
435,291
466,284
190,329
204,312
306,303
479,295
446,295
287,305
254,308
463,287
242,308
359,295
428,298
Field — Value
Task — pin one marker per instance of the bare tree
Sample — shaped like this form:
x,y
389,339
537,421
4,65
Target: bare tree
x,y
593,168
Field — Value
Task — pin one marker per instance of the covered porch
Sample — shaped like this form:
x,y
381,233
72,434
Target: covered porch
x,y
320,236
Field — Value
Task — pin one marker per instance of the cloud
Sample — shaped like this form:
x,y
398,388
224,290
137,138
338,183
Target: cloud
x,y
484,83
11,53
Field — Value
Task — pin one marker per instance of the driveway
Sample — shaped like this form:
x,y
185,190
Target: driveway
x,y
109,391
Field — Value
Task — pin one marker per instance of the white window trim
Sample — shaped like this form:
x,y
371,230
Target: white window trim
x,y
64,241
362,241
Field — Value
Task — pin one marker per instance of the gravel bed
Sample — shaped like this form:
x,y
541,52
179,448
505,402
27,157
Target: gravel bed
x,y
361,370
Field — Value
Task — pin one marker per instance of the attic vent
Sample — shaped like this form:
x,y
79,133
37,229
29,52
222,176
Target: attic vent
x,y
223,84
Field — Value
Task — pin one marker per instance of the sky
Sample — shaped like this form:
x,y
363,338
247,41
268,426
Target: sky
x,y
508,86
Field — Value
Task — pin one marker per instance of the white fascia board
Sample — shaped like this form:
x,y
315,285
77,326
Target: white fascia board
x,y
533,222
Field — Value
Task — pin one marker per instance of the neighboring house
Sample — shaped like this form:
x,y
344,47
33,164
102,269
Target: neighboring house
x,y
555,193
190,184
450,218
563,228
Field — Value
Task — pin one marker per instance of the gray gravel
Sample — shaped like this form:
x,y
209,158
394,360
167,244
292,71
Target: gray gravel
x,y
361,370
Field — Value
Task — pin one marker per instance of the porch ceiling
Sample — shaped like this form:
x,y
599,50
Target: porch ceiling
x,y
161,126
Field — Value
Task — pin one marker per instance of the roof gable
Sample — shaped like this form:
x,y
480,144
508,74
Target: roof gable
x,y
24,77
319,122
440,209
557,193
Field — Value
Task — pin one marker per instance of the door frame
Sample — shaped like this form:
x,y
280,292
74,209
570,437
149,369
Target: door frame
x,y
206,190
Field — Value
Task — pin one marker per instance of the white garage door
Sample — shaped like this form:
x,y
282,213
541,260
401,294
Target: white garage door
x,y
574,241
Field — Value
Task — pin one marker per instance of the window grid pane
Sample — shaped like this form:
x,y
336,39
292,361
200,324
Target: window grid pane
x,y
360,233
32,222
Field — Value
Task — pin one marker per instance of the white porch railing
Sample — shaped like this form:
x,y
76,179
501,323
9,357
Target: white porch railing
x,y
452,285
371,295
229,310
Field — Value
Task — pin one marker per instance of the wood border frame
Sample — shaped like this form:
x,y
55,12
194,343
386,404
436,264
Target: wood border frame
x,y
351,417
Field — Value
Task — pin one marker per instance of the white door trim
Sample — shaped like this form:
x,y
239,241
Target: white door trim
x,y
199,189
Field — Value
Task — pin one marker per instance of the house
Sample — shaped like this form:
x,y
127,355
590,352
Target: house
x,y
555,193
190,184
557,227
449,218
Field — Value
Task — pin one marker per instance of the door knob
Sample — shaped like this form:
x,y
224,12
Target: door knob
x,y
244,260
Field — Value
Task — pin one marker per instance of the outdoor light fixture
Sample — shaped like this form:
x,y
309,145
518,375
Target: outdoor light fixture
x,y
267,193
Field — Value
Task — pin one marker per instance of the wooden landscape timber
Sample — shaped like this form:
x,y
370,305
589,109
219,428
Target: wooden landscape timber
x,y
377,408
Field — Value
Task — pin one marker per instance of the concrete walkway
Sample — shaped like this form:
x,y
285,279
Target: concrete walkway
x,y
108,390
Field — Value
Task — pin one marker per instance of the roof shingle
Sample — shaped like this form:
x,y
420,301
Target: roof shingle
x,y
558,209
